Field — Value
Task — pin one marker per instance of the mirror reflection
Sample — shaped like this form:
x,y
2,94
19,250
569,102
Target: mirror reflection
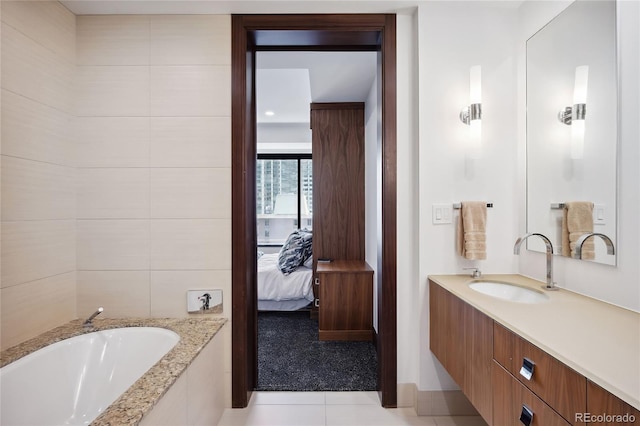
x,y
572,130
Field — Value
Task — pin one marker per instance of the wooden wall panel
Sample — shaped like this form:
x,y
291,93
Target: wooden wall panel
x,y
338,180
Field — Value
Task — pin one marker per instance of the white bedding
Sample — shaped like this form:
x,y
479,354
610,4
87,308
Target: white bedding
x,y
274,285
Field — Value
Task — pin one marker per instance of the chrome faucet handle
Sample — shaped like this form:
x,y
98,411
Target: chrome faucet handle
x,y
88,323
476,272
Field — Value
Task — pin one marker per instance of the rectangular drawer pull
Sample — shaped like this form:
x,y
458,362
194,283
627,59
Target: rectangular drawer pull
x,y
316,281
527,368
526,417
316,302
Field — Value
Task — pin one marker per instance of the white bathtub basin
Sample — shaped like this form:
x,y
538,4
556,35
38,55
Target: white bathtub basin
x,y
510,292
71,382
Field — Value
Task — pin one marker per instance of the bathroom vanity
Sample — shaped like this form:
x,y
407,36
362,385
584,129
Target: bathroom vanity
x,y
556,360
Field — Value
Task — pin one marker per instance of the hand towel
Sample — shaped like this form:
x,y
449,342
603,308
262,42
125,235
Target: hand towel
x,y
471,233
577,220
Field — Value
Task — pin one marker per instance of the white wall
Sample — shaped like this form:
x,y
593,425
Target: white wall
x,y
618,285
452,37
408,284
371,193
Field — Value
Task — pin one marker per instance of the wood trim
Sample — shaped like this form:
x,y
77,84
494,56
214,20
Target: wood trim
x,y
363,22
386,286
243,234
244,338
315,106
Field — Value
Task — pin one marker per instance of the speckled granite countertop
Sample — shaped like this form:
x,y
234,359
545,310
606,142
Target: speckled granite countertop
x,y
140,398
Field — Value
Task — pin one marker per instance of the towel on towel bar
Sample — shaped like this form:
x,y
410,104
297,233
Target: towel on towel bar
x,y
577,220
471,233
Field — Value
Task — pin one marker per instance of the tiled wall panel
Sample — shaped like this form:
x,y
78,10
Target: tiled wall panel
x,y
38,260
154,161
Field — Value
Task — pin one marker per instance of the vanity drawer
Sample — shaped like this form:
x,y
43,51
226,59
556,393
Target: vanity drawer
x,y
511,398
555,383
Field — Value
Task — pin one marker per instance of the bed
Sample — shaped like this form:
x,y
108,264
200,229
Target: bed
x,y
280,292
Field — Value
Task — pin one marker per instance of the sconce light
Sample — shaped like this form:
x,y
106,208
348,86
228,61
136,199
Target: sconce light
x,y
472,115
574,116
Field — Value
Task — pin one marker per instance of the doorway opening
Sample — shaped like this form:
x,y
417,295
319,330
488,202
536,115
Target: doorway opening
x,y
253,33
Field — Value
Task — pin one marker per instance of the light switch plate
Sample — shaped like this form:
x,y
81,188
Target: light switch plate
x,y
441,214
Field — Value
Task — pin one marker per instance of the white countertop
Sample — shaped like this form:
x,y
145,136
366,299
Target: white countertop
x,y
598,340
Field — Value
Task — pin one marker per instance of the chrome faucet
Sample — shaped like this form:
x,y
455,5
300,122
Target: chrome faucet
x,y
475,272
516,250
88,323
610,248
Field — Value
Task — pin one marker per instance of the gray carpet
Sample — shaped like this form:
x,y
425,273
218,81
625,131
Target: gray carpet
x,y
291,358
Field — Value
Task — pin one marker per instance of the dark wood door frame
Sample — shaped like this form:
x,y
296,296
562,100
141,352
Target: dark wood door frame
x,y
305,32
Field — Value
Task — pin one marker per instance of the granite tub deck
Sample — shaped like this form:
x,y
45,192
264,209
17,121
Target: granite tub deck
x,y
141,397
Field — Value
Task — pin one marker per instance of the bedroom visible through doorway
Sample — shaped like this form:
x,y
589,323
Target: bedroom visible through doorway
x,y
290,355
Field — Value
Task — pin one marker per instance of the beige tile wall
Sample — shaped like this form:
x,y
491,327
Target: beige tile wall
x,y
153,108
38,255
116,164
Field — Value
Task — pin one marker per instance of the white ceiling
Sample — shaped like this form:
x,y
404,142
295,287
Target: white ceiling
x,y
287,82
159,7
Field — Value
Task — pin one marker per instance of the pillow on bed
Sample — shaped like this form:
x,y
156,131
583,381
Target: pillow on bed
x,y
307,244
295,251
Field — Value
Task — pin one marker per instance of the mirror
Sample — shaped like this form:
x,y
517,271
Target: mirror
x,y
571,156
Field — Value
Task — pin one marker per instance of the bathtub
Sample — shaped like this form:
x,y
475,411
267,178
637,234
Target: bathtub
x,y
73,381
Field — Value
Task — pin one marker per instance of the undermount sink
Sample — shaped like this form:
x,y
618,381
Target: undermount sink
x,y
510,292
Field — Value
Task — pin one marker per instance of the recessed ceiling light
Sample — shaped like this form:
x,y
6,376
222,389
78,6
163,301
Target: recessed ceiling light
x,y
269,113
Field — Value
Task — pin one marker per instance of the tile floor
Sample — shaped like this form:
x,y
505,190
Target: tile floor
x,y
330,409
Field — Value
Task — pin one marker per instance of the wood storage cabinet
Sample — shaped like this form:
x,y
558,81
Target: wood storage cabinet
x,y
346,300
346,284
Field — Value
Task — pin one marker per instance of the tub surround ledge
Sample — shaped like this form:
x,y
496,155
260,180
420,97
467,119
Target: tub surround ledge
x,y
195,333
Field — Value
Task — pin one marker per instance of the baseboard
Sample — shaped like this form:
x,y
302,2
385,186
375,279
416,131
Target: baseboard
x,y
407,395
434,403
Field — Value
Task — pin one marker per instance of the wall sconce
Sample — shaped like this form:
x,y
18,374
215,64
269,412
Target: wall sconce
x,y
574,116
472,115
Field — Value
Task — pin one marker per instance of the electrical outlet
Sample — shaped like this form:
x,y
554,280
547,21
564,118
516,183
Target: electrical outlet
x,y
204,301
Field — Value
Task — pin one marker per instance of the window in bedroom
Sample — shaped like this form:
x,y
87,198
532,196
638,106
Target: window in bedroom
x,y
284,191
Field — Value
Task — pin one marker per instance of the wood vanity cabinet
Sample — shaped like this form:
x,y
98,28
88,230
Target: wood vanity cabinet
x,y
486,360
599,401
346,300
461,337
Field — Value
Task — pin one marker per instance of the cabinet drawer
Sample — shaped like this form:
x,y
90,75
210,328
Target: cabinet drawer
x,y
563,389
510,396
